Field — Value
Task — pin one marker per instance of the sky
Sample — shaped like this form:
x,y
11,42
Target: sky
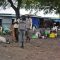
x,y
23,11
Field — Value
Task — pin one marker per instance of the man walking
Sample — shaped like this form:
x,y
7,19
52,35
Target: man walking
x,y
22,29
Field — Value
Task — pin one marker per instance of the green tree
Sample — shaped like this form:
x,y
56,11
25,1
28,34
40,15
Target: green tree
x,y
17,4
50,5
46,5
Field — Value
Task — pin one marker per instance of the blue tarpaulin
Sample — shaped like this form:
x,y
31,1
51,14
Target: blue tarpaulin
x,y
57,20
35,22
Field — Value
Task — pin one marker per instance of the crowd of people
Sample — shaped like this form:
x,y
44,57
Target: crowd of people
x,y
21,29
46,32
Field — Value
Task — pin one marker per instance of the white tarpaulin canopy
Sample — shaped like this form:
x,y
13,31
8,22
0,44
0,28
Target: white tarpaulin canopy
x,y
23,11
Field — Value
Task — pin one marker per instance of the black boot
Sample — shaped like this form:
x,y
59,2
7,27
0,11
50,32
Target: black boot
x,y
22,45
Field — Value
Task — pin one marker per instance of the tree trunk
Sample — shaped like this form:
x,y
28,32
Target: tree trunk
x,y
16,9
17,13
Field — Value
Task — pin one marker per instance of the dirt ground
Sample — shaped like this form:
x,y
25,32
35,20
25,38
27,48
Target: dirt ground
x,y
37,49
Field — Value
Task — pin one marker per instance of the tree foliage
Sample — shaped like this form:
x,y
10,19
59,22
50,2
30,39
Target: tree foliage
x,y
50,5
46,5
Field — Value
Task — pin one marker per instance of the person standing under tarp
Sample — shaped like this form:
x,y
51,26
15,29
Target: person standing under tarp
x,y
22,29
28,27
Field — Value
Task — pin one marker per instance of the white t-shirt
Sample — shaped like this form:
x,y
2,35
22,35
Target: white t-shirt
x,y
38,34
29,23
54,28
15,25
